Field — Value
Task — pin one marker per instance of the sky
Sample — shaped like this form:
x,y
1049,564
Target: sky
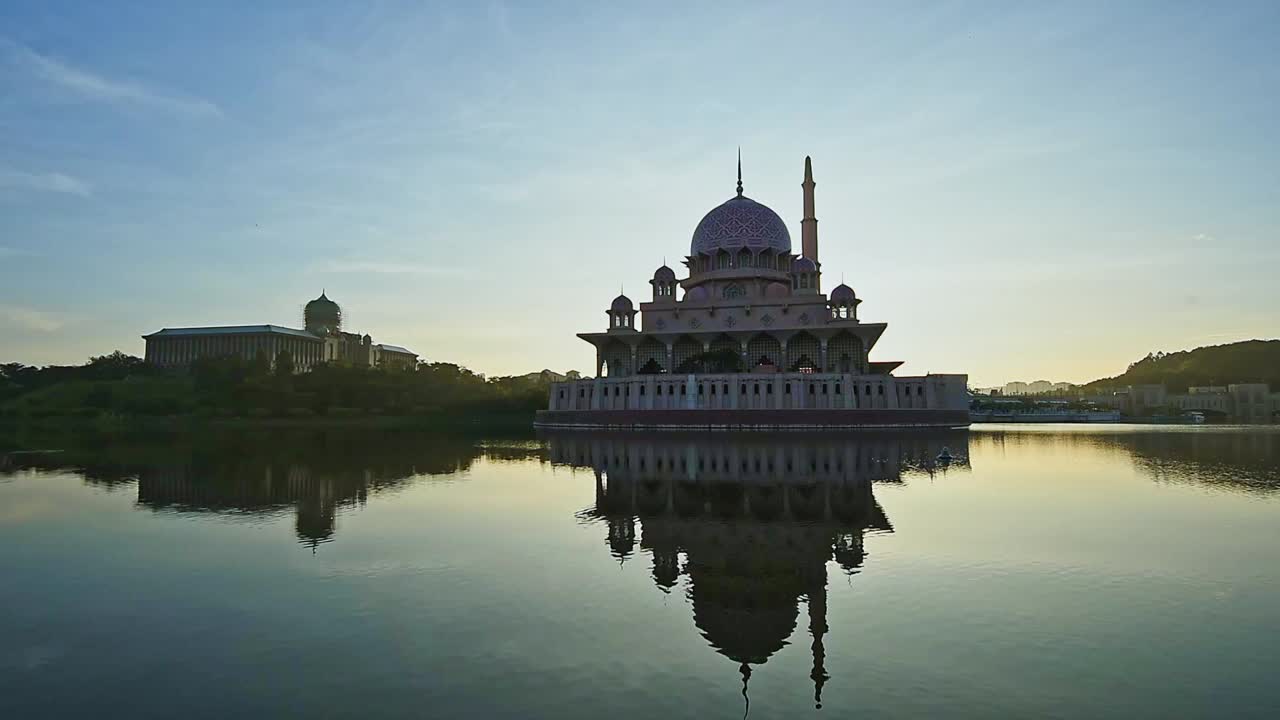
x,y
1021,190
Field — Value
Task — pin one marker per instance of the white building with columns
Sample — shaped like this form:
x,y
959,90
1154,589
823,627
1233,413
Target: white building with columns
x,y
748,329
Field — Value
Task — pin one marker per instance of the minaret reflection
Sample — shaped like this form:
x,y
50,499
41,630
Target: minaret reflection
x,y
750,522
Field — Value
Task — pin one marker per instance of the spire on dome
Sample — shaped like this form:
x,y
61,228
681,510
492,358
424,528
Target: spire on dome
x,y
739,171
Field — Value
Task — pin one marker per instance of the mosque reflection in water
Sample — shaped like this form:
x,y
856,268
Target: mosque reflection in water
x,y
750,522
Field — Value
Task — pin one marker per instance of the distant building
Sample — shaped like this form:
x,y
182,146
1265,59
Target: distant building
x,y
1141,399
1241,402
1039,387
1206,399
321,341
1250,402
552,376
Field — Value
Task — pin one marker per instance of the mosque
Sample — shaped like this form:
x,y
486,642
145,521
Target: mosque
x,y
322,340
752,342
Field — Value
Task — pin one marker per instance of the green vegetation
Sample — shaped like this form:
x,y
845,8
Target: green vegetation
x,y
122,388
1241,362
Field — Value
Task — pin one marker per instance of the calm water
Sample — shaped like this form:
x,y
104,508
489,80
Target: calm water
x,y
1045,572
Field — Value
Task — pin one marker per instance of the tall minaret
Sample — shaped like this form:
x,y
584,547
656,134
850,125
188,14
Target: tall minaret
x,y
809,225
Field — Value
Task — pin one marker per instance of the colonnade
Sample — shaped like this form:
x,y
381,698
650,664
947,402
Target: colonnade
x,y
182,350
648,354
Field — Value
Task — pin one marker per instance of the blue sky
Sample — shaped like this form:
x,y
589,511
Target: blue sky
x,y
1021,190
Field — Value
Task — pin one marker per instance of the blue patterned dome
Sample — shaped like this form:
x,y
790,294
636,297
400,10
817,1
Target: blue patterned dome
x,y
843,293
740,223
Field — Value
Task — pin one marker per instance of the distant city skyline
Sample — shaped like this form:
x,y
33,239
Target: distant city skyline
x,y
1032,190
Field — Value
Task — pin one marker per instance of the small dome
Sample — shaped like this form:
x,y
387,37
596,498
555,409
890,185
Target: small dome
x,y
803,264
843,293
322,314
740,223
777,290
622,303
664,273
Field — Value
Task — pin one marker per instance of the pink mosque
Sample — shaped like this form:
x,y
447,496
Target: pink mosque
x,y
751,342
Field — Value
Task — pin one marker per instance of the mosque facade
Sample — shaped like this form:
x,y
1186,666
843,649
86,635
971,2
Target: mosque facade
x,y
321,340
748,339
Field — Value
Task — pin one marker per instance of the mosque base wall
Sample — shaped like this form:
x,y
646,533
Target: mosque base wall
x,y
766,419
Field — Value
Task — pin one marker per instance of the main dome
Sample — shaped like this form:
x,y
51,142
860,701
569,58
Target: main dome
x,y
740,223
322,313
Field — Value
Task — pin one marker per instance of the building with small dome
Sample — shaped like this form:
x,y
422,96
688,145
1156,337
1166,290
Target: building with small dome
x,y
322,340
748,338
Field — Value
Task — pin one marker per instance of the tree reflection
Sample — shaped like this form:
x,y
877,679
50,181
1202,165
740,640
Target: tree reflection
x,y
313,474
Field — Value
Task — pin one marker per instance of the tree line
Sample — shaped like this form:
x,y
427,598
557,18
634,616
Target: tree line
x,y
124,385
1251,361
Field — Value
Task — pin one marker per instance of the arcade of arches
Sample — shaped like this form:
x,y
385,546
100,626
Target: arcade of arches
x,y
842,351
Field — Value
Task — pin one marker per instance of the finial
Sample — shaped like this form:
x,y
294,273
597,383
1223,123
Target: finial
x,y
808,169
745,669
739,171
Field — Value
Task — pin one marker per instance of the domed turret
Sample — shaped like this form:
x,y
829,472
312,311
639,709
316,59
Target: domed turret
x,y
322,315
842,293
622,314
843,303
664,284
804,276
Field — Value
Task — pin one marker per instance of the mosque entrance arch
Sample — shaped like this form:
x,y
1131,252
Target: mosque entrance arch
x,y
617,359
845,353
803,353
652,357
764,351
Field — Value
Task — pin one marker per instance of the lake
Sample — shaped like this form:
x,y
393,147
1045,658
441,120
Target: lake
x,y
1052,571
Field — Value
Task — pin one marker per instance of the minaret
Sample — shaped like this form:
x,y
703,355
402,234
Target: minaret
x,y
809,225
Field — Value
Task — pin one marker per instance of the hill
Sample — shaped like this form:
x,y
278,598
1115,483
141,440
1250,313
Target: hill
x,y
1240,362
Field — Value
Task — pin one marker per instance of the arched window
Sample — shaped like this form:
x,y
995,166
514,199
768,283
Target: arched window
x,y
734,290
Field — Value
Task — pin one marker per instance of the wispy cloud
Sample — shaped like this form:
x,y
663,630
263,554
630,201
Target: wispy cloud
x,y
96,87
44,182
30,319
376,267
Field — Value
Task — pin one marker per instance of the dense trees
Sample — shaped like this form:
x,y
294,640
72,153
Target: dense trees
x,y
231,386
1242,362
